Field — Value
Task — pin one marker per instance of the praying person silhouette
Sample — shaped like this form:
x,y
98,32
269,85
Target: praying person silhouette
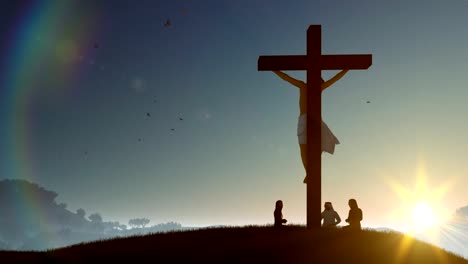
x,y
278,214
330,216
329,140
354,216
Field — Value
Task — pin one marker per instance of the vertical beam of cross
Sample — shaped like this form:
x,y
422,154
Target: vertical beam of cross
x,y
314,131
314,62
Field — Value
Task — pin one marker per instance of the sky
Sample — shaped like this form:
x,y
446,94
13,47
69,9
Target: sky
x,y
77,79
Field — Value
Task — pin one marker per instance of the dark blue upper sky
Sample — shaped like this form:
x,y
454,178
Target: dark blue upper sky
x,y
79,78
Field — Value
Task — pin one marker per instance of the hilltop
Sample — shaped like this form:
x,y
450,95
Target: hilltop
x,y
294,244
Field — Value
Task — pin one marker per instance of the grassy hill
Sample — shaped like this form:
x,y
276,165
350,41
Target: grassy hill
x,y
293,244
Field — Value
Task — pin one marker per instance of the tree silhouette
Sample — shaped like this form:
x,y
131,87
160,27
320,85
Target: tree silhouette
x,y
80,213
21,230
18,219
95,218
96,222
138,222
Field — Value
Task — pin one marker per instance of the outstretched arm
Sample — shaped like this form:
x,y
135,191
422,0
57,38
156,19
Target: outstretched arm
x,y
291,80
335,78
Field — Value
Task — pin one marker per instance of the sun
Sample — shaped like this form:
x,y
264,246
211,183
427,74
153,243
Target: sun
x,y
421,208
424,215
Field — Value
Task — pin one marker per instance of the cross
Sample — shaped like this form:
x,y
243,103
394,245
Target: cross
x,y
314,62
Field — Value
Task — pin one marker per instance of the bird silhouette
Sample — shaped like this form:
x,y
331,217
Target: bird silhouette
x,y
181,119
172,129
139,140
167,23
368,102
148,114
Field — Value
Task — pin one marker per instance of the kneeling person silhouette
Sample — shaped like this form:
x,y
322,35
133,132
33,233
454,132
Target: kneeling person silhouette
x,y
330,216
278,214
354,217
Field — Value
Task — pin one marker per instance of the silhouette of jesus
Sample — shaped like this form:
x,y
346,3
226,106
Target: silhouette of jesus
x,y
329,140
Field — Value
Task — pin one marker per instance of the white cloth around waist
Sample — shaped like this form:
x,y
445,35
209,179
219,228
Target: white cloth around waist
x,y
329,140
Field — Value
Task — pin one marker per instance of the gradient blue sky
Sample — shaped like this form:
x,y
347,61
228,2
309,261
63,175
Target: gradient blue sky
x,y
236,152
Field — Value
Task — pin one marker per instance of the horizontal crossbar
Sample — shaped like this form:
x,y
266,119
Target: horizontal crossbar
x,y
302,62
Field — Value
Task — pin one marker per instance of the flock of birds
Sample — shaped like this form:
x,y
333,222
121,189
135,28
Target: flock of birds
x,y
148,115
167,23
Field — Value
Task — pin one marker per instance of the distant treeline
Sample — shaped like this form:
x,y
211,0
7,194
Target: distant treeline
x,y
31,219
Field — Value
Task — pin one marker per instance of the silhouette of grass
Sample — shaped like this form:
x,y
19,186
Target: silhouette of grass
x,y
251,244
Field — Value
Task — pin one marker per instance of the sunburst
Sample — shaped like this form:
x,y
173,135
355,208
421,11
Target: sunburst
x,y
421,209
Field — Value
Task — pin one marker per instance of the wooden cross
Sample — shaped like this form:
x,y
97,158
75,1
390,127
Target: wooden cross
x,y
314,62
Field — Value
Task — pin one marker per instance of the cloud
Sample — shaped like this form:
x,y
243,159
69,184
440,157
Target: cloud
x,y
282,151
454,234
462,212
138,85
207,116
204,114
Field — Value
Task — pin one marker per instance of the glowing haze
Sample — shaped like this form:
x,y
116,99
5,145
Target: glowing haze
x,y
123,115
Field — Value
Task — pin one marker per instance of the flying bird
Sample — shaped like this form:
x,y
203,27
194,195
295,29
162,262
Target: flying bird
x,y
139,140
148,114
181,119
167,23
368,102
172,129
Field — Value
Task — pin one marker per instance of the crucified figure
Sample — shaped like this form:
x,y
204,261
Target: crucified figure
x,y
329,140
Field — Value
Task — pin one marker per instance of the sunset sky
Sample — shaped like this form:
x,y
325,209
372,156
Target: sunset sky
x,y
77,79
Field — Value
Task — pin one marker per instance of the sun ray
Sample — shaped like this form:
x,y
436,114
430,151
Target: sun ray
x,y
403,248
421,209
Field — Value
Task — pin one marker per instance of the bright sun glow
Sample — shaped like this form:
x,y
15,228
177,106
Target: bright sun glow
x,y
420,209
424,215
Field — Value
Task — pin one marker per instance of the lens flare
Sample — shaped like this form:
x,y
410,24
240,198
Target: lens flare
x,y
421,209
40,60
